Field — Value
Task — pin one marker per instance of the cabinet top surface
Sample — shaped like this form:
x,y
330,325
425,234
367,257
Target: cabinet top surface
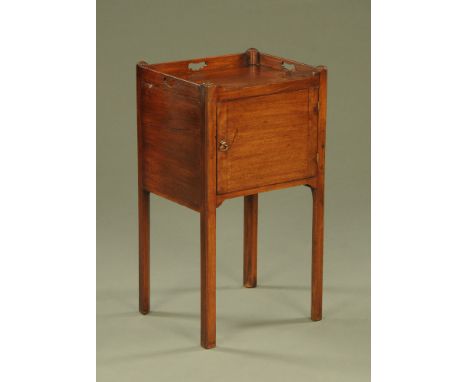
x,y
245,76
251,68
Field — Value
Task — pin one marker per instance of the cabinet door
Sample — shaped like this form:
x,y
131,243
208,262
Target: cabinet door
x,y
266,140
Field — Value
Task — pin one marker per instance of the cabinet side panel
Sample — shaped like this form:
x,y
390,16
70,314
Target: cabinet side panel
x,y
171,131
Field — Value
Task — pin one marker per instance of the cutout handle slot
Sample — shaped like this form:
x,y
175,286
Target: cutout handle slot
x,y
290,67
194,66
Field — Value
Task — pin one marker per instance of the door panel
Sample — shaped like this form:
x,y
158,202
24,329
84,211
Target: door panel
x,y
269,139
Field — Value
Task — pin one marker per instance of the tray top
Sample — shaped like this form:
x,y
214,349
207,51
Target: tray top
x,y
245,76
247,69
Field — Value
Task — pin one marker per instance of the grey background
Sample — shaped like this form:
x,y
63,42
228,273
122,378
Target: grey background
x,y
264,333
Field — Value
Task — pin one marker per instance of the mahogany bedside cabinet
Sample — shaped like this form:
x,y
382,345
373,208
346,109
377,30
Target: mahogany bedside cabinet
x,y
215,128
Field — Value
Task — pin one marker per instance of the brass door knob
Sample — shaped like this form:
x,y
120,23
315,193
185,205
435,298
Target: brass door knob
x,y
223,145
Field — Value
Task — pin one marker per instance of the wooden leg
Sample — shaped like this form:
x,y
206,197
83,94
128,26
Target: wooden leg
x,y
317,253
144,249
250,240
208,277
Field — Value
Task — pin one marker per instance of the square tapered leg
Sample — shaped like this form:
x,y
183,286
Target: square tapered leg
x,y
250,240
144,249
208,278
317,253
